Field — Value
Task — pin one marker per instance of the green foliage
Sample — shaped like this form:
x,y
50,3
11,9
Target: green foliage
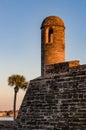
x,y
18,81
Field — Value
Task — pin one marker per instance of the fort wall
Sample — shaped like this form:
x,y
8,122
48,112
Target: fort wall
x,y
57,102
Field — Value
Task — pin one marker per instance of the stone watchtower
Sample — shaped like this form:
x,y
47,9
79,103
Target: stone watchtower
x,y
52,42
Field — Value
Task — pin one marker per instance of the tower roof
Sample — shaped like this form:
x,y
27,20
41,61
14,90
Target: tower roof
x,y
52,20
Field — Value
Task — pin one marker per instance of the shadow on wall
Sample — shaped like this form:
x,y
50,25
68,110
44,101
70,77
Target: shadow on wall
x,y
83,128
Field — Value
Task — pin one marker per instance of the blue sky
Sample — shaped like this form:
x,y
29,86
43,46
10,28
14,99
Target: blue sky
x,y
20,38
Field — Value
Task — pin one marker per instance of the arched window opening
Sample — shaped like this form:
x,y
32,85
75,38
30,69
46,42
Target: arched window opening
x,y
50,36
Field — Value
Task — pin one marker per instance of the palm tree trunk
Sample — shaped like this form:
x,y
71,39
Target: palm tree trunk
x,y
16,89
14,107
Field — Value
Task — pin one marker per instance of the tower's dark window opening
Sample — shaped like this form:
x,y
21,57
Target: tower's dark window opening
x,y
50,36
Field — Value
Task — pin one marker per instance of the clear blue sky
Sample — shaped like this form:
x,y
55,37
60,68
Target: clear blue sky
x,y
20,38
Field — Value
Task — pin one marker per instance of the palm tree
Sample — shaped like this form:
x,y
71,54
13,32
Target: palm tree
x,y
18,82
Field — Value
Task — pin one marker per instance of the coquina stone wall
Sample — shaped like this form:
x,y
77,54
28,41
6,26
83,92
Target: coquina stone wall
x,y
57,102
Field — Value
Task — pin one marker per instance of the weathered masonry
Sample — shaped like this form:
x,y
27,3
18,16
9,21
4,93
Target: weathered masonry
x,y
52,42
57,99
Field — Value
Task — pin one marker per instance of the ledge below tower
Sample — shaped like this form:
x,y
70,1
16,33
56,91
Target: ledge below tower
x,y
59,67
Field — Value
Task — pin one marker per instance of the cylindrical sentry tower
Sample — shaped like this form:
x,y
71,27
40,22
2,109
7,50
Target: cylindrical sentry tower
x,y
52,42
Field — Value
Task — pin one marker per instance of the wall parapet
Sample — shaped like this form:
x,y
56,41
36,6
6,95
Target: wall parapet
x,y
60,67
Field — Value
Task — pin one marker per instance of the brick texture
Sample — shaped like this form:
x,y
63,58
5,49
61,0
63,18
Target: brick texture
x,y
57,102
